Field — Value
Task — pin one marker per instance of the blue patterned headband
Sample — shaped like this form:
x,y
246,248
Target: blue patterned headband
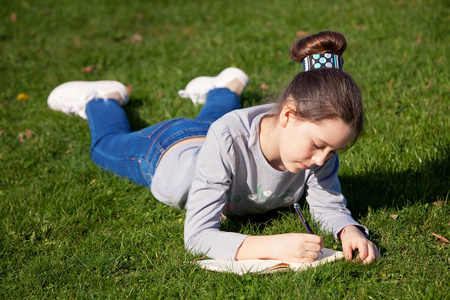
x,y
320,61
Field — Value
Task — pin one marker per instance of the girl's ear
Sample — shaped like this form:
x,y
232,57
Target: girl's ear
x,y
287,114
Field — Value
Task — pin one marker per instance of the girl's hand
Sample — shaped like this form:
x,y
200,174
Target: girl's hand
x,y
352,238
292,247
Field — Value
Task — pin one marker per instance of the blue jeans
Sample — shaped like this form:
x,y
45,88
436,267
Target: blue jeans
x,y
135,155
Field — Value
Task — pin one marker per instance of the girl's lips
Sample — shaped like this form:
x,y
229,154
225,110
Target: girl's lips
x,y
303,166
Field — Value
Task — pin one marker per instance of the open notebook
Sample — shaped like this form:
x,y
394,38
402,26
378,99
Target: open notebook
x,y
262,266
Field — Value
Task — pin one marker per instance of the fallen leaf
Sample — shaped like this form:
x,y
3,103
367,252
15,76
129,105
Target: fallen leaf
x,y
2,132
439,203
390,84
394,217
302,34
361,27
76,40
29,133
129,88
419,40
88,69
405,56
429,83
335,8
21,139
160,95
440,237
136,38
139,15
264,86
13,17
23,97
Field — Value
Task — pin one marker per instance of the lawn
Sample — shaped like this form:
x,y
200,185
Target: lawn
x,y
69,230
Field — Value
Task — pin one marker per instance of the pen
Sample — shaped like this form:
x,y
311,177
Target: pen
x,y
305,223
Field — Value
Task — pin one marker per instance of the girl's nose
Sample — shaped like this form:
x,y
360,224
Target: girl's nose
x,y
319,158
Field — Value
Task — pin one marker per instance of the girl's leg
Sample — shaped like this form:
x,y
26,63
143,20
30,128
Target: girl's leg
x,y
113,146
219,102
134,155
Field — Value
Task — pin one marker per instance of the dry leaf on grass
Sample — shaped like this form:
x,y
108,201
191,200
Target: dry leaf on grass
x,y
29,133
88,69
129,88
429,83
13,17
361,27
136,38
264,86
440,237
302,34
389,85
23,97
419,40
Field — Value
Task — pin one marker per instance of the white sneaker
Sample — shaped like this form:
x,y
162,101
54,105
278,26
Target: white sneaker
x,y
72,97
197,89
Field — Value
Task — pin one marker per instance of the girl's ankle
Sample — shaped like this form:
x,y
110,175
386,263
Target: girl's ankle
x,y
235,86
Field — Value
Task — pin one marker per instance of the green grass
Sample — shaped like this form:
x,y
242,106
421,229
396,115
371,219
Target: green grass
x,y
70,230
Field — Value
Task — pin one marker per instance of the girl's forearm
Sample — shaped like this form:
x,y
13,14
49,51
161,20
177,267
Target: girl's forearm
x,y
254,247
295,247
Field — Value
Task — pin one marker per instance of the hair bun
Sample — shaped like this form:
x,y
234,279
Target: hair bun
x,y
323,42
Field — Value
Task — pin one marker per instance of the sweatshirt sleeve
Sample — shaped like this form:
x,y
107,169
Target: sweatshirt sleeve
x,y
327,204
207,197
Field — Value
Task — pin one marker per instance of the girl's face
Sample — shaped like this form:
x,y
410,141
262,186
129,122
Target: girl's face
x,y
303,144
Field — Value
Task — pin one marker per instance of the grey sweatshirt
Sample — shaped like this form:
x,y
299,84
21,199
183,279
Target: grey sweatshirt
x,y
228,173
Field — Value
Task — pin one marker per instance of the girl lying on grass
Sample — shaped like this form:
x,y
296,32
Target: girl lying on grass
x,y
235,161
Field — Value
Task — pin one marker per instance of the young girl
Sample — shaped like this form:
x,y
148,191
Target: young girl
x,y
235,161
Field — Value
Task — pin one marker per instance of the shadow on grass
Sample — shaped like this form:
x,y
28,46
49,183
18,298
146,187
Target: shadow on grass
x,y
396,189
376,190
132,112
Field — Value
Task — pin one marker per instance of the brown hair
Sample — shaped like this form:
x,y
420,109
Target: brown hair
x,y
322,42
322,94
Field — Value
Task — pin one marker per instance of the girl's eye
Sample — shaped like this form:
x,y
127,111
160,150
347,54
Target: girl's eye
x,y
315,146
